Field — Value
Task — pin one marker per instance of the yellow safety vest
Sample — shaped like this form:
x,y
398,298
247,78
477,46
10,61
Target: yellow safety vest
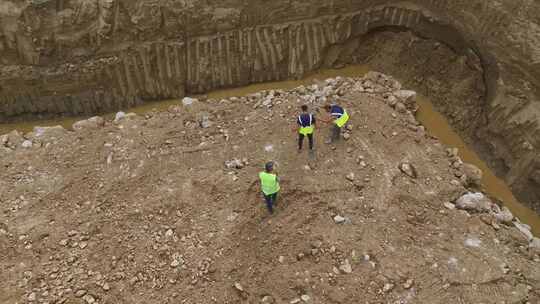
x,y
309,129
269,183
340,122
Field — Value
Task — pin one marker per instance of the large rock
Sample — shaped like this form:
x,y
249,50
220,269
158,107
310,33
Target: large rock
x,y
476,202
12,140
47,134
504,216
90,123
525,230
407,98
472,175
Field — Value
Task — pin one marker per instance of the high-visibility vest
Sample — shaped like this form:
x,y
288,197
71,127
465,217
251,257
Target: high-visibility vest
x,y
340,114
340,122
309,129
269,183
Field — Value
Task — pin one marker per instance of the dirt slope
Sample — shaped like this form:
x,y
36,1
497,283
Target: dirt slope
x,y
143,210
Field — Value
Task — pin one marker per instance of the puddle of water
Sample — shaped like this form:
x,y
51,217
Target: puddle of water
x,y
436,124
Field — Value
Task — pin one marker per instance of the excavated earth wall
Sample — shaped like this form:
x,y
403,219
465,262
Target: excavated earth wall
x,y
74,57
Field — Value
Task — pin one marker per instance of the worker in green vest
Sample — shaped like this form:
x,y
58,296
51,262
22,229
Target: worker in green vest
x,y
269,185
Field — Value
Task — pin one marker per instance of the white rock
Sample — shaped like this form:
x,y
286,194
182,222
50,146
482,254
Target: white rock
x,y
387,287
408,170
474,202
187,101
473,242
305,298
449,206
27,144
89,299
505,216
32,297
405,95
350,177
90,123
119,116
346,267
535,243
338,219
48,132
238,286
525,229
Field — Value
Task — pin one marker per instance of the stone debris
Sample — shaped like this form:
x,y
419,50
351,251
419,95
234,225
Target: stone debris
x,y
305,298
525,230
408,284
338,219
119,116
388,287
476,202
89,124
27,144
187,101
346,267
504,216
238,287
449,206
472,175
235,164
189,219
408,170
473,242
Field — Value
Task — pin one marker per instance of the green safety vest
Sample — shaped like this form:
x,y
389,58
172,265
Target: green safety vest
x,y
340,122
269,183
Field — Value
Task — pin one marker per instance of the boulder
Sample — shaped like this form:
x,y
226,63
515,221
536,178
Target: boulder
x,y
476,202
121,116
47,134
535,244
407,97
12,140
525,230
472,174
504,216
90,123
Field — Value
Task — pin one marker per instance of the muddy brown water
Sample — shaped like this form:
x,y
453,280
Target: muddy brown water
x,y
436,124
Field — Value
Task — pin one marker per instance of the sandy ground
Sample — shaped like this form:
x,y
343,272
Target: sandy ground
x,y
144,210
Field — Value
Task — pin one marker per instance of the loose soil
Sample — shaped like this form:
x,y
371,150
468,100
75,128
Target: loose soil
x,y
143,210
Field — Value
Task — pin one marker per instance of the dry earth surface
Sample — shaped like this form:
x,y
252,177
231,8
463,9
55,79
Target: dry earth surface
x,y
164,208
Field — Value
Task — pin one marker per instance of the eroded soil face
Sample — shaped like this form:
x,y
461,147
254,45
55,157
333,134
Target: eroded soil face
x,y
143,210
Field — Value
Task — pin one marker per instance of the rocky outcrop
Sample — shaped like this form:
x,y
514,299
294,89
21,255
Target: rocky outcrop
x,y
79,56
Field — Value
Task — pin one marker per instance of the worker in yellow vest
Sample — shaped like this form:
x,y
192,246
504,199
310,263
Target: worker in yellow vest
x,y
306,123
269,185
340,118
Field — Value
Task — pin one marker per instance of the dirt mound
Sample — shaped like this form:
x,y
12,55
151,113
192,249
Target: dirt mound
x,y
144,210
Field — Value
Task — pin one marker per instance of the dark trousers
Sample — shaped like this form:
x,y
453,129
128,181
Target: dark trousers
x,y
336,133
301,141
270,201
